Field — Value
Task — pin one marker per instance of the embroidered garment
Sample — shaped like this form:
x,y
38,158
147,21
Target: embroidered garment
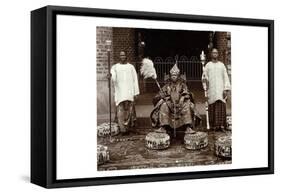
x,y
177,109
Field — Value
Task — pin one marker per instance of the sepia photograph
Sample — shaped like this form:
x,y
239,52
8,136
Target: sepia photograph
x,y
163,98
142,100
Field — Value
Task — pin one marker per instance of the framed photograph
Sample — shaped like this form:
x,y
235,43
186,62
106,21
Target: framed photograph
x,y
126,96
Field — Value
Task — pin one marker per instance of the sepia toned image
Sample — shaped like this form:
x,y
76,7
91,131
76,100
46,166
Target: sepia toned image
x,y
163,98
124,96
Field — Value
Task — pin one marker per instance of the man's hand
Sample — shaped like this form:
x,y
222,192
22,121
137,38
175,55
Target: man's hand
x,y
162,94
187,96
181,101
108,76
135,98
225,94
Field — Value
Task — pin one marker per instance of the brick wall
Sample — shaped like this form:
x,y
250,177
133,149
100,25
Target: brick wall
x,y
223,44
124,39
103,34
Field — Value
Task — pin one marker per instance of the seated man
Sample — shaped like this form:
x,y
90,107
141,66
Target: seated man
x,y
174,106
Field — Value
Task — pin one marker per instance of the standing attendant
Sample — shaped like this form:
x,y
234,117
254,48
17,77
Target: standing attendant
x,y
125,81
218,89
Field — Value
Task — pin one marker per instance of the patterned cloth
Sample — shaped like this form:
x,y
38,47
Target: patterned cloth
x,y
177,109
175,116
217,114
126,115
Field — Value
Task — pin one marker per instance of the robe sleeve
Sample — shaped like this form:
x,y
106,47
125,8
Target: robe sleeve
x,y
113,74
185,93
226,79
206,72
158,97
185,90
135,80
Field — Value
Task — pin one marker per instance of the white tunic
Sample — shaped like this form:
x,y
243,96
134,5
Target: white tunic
x,y
218,81
125,81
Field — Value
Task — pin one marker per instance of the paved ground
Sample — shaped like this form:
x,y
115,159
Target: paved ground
x,y
129,152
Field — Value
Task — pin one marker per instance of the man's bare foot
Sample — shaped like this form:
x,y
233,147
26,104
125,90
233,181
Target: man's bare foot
x,y
160,130
189,131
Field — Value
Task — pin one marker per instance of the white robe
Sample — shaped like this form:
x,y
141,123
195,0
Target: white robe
x,y
125,81
218,81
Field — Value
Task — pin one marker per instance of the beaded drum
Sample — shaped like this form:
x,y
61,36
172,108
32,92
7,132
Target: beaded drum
x,y
195,141
229,122
223,146
157,141
102,154
103,129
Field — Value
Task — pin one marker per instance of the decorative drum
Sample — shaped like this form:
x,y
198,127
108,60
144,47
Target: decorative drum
x,y
196,140
157,140
104,130
102,154
223,147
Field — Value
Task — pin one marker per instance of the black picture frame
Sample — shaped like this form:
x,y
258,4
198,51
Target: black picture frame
x,y
43,96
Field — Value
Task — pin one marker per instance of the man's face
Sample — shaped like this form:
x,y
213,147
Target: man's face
x,y
215,54
174,77
123,57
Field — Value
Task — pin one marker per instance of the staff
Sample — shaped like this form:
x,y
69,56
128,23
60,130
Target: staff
x,y
108,44
205,86
174,126
148,71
